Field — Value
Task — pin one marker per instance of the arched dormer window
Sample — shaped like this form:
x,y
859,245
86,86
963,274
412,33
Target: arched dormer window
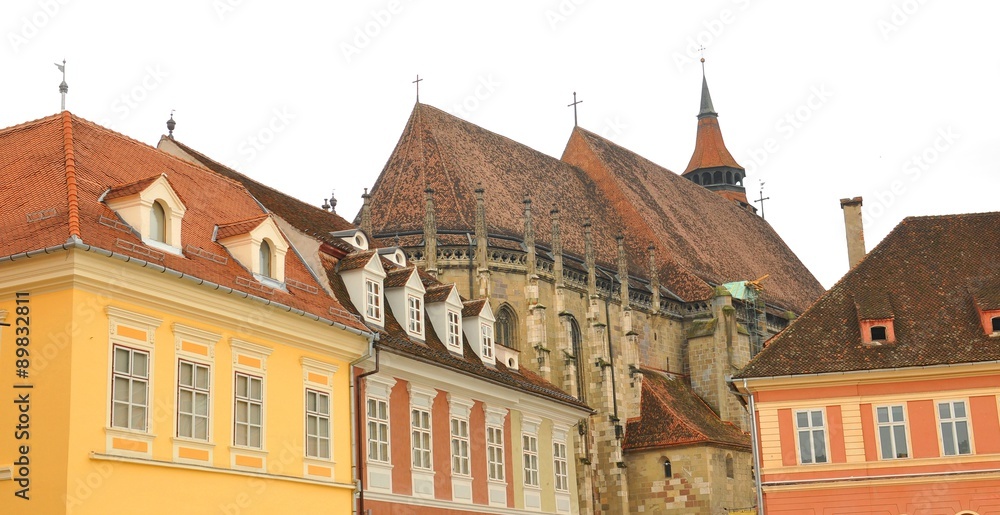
x,y
996,324
157,222
667,470
729,466
506,327
265,259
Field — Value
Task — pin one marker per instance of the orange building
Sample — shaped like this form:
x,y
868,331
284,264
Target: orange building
x,y
883,396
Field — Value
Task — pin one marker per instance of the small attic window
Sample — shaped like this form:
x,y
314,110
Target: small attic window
x,y
157,222
265,259
996,324
359,241
878,333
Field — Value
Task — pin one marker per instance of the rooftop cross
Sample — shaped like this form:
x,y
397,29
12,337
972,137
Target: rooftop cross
x,y
573,105
762,199
417,82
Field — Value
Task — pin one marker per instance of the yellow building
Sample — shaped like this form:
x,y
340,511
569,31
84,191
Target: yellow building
x,y
163,348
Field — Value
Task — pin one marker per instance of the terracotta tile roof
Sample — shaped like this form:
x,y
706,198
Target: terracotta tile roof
x,y
924,267
437,293
241,227
672,414
41,205
307,218
356,260
709,149
133,188
874,307
986,291
700,237
393,338
397,278
472,308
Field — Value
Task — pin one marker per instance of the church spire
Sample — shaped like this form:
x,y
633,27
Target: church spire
x,y
711,165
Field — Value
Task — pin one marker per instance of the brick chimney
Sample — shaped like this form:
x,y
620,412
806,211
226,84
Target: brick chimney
x,y
854,228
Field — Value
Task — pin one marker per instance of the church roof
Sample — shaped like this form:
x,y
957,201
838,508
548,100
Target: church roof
x,y
709,148
700,237
925,275
56,169
672,414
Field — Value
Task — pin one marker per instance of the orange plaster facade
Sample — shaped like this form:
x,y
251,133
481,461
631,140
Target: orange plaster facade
x,y
855,478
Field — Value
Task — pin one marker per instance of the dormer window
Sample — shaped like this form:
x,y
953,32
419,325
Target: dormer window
x,y
152,208
487,349
415,313
878,333
265,259
157,223
995,321
353,236
373,299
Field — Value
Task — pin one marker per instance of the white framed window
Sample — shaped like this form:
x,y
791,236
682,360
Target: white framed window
x,y
487,341
265,259
954,421
560,466
529,448
193,399
420,432
317,424
811,429
460,446
157,222
248,422
378,430
130,388
891,421
373,299
454,329
415,314
494,452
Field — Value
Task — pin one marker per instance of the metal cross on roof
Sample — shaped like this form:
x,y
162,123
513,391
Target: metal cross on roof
x,y
762,199
417,82
573,105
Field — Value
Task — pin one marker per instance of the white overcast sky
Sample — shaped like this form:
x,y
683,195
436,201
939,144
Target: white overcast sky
x,y
818,100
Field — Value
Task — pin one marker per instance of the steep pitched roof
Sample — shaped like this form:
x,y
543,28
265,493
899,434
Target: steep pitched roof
x,y
924,269
305,217
55,169
703,232
672,414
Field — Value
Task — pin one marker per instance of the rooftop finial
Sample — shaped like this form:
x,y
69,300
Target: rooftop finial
x,y
573,105
417,82
330,204
63,87
170,125
706,98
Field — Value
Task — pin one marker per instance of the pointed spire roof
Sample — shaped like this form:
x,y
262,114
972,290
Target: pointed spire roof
x,y
709,149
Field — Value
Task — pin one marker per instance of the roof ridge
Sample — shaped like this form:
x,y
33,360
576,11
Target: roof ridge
x,y
251,219
683,420
38,121
72,195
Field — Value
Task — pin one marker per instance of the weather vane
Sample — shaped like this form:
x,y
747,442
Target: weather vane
x,y
63,87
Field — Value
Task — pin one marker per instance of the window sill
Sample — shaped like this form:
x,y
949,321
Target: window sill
x,y
165,247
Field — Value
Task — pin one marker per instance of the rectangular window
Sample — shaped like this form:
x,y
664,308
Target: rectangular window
x,y
494,452
892,432
378,430
460,446
530,451
249,420
317,425
560,466
812,436
954,428
192,400
454,329
420,433
129,385
487,341
373,299
416,314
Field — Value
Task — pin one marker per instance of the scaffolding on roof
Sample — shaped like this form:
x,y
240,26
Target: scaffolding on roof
x,y
751,296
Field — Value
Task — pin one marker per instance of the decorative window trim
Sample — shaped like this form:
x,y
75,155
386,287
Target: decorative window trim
x,y
251,375
454,333
319,416
415,315
954,421
134,331
529,460
486,349
249,357
317,374
136,210
200,344
374,311
208,391
245,248
891,425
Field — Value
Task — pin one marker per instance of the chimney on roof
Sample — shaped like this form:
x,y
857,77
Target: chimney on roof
x,y
855,230
366,213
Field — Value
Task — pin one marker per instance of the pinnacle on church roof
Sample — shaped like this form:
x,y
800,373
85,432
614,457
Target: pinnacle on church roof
x,y
706,99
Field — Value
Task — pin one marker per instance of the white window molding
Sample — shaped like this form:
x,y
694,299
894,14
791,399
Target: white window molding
x,y
131,361
249,356
812,436
136,209
243,241
955,428
890,423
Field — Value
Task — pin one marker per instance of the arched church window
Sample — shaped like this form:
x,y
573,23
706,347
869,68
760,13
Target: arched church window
x,y
706,178
717,178
506,327
729,466
667,471
694,177
576,339
729,177
739,179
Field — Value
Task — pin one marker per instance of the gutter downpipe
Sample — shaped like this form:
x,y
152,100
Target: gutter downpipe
x,y
756,452
359,507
